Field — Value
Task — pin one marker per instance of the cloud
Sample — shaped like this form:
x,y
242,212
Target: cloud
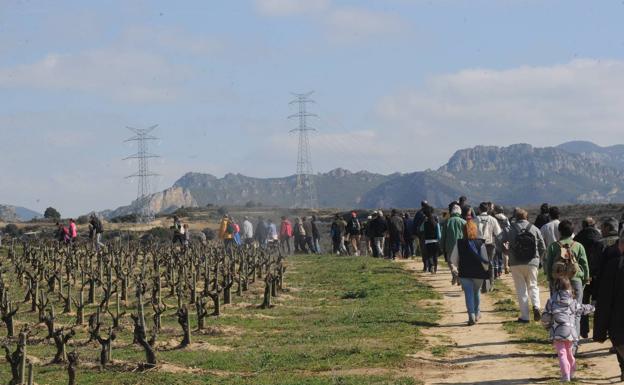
x,y
291,7
341,24
542,105
126,75
173,40
349,24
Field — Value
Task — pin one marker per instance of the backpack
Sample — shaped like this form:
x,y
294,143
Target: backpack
x,y
229,228
565,264
524,245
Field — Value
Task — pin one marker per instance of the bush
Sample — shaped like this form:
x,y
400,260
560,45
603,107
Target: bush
x,y
222,211
52,213
362,293
157,234
129,218
210,233
182,212
12,230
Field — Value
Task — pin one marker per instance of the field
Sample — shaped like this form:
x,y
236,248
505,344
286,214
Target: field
x,y
334,316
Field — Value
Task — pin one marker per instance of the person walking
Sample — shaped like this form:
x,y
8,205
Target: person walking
x,y
408,236
98,230
469,262
591,239
308,237
73,231
316,234
562,309
178,230
489,231
454,229
395,232
609,317
286,233
525,252
419,218
226,231
567,258
337,235
299,234
550,231
247,232
262,232
272,235
542,217
431,234
378,228
354,231
501,258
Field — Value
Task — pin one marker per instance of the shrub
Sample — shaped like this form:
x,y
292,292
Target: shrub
x,y
129,218
210,233
52,213
12,230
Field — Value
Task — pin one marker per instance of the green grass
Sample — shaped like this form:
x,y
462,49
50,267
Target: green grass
x,y
337,313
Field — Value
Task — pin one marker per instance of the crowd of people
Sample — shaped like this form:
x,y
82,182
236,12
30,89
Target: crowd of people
x,y
585,271
302,236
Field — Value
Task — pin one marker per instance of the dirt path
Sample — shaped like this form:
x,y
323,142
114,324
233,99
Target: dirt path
x,y
486,353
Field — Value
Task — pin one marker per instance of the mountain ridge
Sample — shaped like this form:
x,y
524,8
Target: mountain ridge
x,y
518,174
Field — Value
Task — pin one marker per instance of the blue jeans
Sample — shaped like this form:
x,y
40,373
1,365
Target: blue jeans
x,y
472,294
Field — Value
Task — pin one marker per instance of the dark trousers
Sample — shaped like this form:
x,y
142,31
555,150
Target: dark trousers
x,y
432,252
310,245
587,298
408,248
285,245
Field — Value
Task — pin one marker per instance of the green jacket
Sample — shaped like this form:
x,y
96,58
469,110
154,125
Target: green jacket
x,y
581,257
453,230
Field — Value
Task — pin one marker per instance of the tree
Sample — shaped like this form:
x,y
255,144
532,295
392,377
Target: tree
x,y
51,213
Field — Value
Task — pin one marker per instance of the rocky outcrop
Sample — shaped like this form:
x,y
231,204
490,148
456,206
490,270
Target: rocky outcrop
x,y
165,201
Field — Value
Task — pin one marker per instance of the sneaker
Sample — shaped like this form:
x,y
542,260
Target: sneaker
x,y
523,321
537,316
565,379
454,281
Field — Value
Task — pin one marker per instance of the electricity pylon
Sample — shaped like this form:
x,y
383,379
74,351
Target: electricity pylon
x,y
305,190
143,175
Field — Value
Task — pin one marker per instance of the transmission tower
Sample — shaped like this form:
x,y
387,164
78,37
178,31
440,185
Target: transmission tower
x,y
305,191
142,137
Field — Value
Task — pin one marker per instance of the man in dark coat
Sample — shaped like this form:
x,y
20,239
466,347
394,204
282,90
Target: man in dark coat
x,y
396,230
377,228
591,238
609,317
543,216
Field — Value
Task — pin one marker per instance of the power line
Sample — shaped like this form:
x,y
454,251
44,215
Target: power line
x,y
143,175
305,190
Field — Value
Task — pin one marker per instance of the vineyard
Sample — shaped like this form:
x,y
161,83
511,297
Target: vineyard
x,y
151,313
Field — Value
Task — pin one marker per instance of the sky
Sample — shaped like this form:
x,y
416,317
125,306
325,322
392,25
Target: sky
x,y
399,85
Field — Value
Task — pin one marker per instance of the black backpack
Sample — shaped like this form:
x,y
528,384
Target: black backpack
x,y
524,245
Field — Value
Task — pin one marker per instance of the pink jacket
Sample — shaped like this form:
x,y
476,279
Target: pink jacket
x,y
73,230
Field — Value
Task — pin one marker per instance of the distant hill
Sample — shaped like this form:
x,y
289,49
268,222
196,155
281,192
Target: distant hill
x,y
520,174
612,156
10,213
337,188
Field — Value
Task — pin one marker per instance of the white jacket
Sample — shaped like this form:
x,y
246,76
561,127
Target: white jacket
x,y
550,232
247,232
488,227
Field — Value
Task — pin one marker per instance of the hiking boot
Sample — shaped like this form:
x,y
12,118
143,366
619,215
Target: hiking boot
x,y
523,321
537,316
